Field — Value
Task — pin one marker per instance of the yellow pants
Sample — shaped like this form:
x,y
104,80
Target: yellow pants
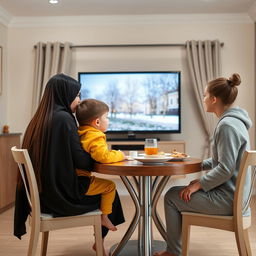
x,y
106,188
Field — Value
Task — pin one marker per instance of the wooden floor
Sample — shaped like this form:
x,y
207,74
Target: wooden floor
x,y
78,241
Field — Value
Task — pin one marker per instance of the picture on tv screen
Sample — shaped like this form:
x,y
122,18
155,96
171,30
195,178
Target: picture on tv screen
x,y
138,101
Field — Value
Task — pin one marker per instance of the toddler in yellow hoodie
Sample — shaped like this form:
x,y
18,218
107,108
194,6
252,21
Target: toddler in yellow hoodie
x,y
92,116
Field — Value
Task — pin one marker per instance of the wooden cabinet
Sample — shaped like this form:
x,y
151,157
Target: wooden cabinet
x,y
8,170
166,146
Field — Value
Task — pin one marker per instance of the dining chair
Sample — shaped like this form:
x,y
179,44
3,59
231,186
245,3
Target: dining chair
x,y
41,222
237,223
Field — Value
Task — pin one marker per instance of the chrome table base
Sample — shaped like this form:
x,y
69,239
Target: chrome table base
x,y
145,196
132,249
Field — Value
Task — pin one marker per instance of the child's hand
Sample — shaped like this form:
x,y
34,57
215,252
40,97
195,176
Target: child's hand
x,y
124,156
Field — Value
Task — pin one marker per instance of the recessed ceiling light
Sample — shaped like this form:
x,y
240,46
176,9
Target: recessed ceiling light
x,y
53,1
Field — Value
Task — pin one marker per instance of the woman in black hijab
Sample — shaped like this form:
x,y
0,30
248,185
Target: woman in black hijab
x,y
55,151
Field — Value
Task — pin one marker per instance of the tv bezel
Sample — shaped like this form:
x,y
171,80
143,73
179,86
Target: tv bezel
x,y
132,133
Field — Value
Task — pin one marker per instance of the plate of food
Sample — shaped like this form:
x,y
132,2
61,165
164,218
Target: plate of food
x,y
153,159
178,155
159,154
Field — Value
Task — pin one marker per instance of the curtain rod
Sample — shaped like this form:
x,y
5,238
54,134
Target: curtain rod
x,y
126,45
131,45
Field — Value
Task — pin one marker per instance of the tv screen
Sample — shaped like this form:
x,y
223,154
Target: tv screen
x,y
138,101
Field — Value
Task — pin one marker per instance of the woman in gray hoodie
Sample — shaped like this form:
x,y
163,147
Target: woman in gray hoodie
x,y
213,193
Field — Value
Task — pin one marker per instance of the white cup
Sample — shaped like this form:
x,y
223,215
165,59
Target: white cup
x,y
133,153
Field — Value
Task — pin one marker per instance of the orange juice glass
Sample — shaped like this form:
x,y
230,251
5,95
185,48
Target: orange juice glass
x,y
151,146
151,151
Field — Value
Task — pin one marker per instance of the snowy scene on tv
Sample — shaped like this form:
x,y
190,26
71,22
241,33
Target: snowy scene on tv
x,y
137,101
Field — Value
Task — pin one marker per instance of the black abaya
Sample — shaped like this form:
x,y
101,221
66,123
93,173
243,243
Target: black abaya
x,y
62,190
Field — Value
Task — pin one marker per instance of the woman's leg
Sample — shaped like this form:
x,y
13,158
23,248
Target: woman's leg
x,y
207,203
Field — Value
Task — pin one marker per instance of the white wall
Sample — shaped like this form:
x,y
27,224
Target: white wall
x,y
237,56
3,96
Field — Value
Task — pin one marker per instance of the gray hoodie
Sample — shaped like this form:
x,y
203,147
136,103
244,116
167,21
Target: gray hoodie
x,y
230,140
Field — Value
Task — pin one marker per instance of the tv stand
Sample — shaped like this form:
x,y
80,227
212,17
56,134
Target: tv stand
x,y
126,139
127,145
131,136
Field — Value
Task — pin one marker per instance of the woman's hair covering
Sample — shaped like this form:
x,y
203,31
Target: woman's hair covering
x,y
65,89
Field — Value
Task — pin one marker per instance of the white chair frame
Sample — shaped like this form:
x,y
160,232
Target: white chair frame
x,y
236,223
45,222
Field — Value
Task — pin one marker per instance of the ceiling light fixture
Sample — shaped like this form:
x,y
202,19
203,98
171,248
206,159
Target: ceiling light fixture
x,y
53,1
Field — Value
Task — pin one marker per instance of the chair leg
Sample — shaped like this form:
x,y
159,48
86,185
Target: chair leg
x,y
98,236
185,236
33,241
247,242
45,236
240,241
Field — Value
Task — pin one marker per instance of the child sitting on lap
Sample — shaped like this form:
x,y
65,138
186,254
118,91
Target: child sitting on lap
x,y
92,116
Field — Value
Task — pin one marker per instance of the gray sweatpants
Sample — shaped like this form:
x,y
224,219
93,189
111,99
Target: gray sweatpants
x,y
212,202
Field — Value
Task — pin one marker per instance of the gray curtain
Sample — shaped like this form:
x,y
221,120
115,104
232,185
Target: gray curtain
x,y
204,65
51,59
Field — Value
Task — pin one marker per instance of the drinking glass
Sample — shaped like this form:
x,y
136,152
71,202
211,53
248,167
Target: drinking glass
x,y
151,146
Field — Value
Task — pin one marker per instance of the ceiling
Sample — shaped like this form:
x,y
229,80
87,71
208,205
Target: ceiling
x,y
123,7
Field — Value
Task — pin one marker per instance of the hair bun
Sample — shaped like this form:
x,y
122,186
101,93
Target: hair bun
x,y
234,80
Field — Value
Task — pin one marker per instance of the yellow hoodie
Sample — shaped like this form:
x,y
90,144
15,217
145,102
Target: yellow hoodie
x,y
94,142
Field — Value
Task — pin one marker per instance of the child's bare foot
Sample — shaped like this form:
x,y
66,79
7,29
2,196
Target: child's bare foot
x,y
105,253
105,221
163,253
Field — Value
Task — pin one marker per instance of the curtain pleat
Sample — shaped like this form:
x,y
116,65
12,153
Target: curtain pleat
x,y
39,63
50,59
55,59
66,59
204,65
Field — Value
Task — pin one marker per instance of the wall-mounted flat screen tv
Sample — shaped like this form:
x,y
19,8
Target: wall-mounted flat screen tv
x,y
139,102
